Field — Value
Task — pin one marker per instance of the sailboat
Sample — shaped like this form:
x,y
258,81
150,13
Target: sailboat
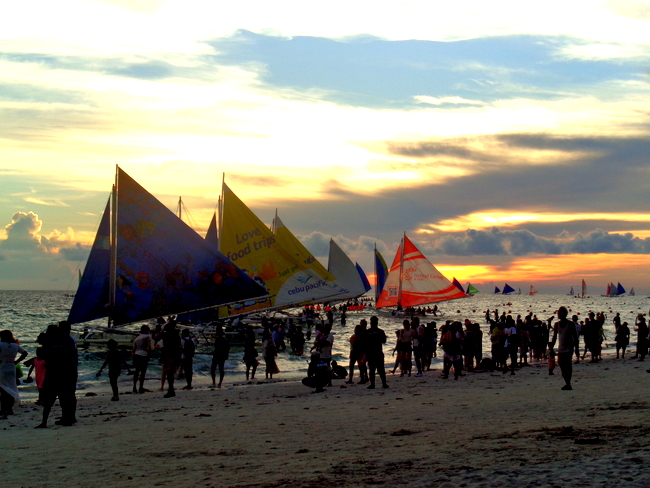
x,y
471,290
349,275
412,280
145,262
381,273
507,289
584,288
571,292
276,260
457,284
614,290
532,290
496,290
632,292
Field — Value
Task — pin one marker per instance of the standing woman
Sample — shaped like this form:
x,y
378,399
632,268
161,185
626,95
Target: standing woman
x,y
9,349
270,353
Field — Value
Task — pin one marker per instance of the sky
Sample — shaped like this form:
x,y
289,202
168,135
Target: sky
x,y
509,140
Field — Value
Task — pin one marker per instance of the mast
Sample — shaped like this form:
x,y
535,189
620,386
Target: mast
x,y
401,275
179,209
376,277
113,244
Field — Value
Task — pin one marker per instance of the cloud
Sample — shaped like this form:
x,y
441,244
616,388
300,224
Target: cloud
x,y
22,232
522,242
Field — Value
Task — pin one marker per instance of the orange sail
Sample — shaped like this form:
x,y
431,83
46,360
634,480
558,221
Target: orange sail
x,y
412,280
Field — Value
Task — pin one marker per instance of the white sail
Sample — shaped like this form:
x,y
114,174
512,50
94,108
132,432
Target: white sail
x,y
348,280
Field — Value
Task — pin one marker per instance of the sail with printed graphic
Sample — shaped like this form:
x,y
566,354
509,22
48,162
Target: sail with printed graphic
x,y
412,280
155,263
92,298
253,247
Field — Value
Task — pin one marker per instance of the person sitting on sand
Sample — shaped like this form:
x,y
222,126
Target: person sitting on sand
x,y
115,361
565,331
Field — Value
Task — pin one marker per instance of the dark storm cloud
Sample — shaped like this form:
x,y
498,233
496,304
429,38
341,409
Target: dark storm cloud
x,y
521,242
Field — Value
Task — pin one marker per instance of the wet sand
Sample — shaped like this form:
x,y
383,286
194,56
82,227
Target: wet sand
x,y
486,429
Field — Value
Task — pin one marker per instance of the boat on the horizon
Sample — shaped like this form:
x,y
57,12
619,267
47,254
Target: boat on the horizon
x,y
496,290
412,281
471,290
571,292
507,289
532,290
614,290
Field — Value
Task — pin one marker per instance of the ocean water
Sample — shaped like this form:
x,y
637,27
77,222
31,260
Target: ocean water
x,y
27,313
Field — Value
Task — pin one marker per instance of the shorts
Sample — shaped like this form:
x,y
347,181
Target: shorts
x,y
140,362
404,347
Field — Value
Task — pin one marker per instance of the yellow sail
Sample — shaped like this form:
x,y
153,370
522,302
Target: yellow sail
x,y
290,243
251,245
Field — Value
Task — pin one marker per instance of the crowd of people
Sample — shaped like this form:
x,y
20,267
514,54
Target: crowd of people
x,y
515,343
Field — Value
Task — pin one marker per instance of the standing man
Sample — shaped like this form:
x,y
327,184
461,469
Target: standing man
x,y
375,338
566,332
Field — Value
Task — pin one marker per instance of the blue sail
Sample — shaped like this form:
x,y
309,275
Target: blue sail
x,y
496,289
364,278
619,289
507,289
211,236
381,272
457,284
92,297
163,266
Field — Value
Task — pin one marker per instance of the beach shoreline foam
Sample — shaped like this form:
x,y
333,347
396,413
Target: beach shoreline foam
x,y
486,429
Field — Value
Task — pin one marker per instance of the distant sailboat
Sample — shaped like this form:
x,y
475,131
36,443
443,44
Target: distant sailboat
x,y
507,289
532,290
620,290
496,290
413,280
457,284
471,290
571,292
584,288
632,292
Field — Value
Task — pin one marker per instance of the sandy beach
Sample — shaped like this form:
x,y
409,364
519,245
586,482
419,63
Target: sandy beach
x,y
486,429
